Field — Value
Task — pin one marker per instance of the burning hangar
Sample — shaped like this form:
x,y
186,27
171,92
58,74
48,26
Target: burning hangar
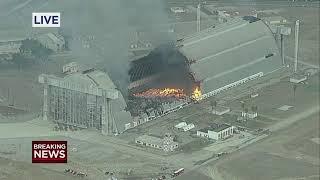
x,y
212,60
168,78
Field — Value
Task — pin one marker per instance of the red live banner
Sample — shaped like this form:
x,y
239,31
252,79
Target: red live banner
x,y
49,151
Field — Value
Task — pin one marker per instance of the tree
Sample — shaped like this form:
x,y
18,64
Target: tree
x,y
19,60
246,110
253,108
294,90
66,33
213,104
35,48
242,106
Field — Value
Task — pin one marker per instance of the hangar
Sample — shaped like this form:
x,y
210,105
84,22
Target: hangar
x,y
85,99
216,58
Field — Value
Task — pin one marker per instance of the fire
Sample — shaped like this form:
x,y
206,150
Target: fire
x,y
196,95
166,92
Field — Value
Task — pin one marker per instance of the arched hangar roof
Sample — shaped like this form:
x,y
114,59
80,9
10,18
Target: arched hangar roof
x,y
229,52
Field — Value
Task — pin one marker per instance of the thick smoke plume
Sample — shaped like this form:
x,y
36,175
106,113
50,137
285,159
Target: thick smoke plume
x,y
101,32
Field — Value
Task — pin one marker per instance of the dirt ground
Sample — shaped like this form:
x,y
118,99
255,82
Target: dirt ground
x,y
286,154
90,157
15,170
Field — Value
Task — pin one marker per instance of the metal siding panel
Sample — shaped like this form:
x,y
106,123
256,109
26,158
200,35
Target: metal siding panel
x,y
237,57
218,39
265,66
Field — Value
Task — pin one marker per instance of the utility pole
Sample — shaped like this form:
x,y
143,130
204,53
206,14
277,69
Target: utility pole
x,y
198,17
282,49
296,46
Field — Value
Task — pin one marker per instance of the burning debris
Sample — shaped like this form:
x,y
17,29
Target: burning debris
x,y
162,93
196,94
169,93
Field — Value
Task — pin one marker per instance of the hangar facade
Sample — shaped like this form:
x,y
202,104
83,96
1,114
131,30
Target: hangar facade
x,y
85,99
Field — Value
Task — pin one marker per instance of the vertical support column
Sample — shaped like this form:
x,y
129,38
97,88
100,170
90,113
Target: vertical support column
x,y
198,17
109,126
104,116
45,100
296,46
282,49
114,125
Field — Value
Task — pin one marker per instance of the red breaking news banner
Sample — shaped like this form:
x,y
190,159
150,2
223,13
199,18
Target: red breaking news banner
x,y
49,151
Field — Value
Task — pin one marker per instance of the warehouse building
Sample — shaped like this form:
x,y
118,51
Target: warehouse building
x,y
216,131
85,99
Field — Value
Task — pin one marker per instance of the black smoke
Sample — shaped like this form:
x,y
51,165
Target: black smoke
x,y
101,31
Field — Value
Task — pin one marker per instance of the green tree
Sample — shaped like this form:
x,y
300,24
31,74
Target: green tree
x,y
35,48
246,110
214,104
242,106
253,108
294,90
19,60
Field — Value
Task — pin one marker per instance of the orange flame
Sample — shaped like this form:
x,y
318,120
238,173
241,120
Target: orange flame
x,y
167,92
196,95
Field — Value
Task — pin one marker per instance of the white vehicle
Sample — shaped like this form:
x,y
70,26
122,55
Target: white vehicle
x,y
177,172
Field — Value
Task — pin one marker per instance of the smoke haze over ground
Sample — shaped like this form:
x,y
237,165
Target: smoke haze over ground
x,y
112,23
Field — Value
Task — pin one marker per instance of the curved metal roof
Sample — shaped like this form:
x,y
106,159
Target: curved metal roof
x,y
102,80
229,52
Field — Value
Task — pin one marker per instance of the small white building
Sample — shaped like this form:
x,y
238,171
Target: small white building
x,y
253,95
216,131
177,10
274,20
52,41
184,126
71,68
250,115
166,144
180,125
220,110
188,127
